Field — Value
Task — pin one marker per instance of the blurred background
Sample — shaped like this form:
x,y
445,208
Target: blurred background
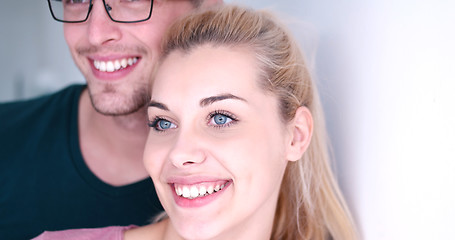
x,y
34,56
386,73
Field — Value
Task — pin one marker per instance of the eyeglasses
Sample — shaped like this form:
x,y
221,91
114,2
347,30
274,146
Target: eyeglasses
x,y
122,11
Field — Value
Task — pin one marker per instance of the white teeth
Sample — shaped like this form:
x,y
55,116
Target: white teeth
x,y
195,191
178,191
124,63
202,191
97,64
102,67
210,190
112,66
186,192
117,65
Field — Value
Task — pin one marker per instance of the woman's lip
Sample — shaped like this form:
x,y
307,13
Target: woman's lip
x,y
199,189
193,180
198,201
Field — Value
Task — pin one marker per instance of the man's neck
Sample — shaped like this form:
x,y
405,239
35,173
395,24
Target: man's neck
x,y
112,146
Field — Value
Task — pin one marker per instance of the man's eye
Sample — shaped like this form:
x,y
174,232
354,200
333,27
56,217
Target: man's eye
x,y
77,1
141,1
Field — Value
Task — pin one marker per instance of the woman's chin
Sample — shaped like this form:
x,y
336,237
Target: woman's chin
x,y
199,231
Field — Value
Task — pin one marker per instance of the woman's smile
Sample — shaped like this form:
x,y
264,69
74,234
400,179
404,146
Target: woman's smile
x,y
200,194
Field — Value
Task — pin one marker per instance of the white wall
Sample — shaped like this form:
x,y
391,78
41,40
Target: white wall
x,y
386,73
34,58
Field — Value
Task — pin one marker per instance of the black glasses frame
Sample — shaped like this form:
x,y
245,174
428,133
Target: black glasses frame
x,y
106,6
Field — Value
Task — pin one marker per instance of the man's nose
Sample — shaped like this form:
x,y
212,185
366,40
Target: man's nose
x,y
101,29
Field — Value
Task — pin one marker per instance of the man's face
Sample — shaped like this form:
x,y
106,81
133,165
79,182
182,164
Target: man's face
x,y
117,59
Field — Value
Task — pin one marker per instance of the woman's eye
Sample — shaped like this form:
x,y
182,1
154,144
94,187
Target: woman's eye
x,y
221,120
162,124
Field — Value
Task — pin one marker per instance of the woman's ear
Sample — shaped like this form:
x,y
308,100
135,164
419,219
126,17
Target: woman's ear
x,y
300,130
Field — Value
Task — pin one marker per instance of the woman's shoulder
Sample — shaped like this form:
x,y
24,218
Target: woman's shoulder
x,y
105,233
152,231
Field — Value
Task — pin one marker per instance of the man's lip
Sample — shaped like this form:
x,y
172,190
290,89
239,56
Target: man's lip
x,y
110,57
112,75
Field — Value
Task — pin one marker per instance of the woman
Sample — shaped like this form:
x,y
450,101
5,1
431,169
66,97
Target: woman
x,y
237,147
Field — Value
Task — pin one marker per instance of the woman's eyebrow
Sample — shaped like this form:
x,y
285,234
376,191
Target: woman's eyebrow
x,y
158,105
203,103
210,100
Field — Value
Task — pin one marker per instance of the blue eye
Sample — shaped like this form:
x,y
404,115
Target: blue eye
x,y
221,119
164,124
160,124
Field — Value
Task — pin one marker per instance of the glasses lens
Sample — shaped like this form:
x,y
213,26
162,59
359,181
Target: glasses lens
x,y
129,10
70,10
118,10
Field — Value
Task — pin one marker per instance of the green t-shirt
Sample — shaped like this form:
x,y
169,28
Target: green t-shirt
x,y
44,181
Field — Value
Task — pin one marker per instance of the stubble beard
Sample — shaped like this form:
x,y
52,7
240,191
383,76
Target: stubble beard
x,y
111,102
110,99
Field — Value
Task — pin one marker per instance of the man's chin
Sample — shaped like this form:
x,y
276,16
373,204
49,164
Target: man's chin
x,y
115,111
111,102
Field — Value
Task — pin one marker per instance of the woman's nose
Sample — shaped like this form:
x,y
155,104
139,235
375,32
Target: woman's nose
x,y
187,150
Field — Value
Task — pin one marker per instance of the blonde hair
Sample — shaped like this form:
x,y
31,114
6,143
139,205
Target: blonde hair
x,y
310,204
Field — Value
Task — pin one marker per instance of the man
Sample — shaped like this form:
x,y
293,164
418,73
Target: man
x,y
73,159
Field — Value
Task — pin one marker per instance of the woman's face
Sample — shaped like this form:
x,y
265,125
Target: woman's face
x,y
216,148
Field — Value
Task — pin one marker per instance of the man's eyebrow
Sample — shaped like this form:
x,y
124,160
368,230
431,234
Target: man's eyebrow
x,y
158,105
207,101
